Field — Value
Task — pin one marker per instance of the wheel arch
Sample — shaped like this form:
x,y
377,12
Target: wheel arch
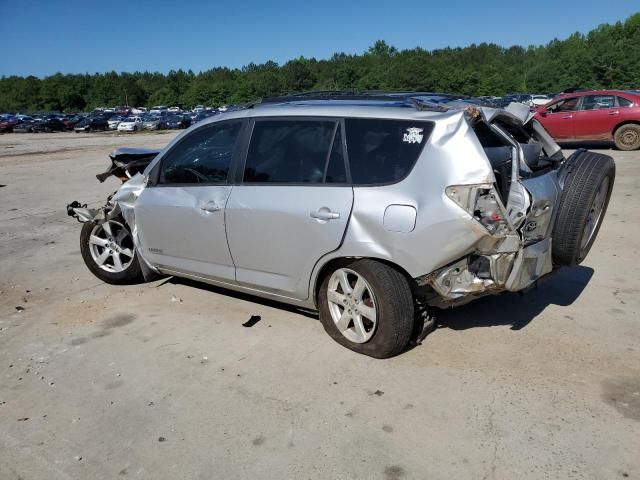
x,y
623,123
336,262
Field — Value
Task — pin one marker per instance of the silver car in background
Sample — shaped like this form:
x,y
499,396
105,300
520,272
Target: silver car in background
x,y
373,209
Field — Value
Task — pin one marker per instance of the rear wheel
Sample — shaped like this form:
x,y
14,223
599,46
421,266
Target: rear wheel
x,y
583,204
627,137
367,307
109,252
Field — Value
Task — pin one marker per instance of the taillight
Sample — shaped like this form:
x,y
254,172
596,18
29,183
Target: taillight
x,y
483,204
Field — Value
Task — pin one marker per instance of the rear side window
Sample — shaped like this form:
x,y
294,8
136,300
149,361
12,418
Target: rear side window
x,y
623,102
202,157
384,151
294,152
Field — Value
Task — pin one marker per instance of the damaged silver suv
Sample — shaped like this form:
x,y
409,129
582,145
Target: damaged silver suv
x,y
372,209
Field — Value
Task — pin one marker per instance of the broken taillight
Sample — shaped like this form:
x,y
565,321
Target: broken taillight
x,y
483,204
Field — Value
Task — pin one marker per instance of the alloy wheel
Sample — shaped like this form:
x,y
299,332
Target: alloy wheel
x,y
111,246
352,305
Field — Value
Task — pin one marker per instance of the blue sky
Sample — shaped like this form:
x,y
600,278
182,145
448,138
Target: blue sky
x,y
44,37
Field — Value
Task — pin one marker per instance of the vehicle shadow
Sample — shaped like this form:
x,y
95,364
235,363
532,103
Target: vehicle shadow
x,y
243,296
514,309
518,310
589,145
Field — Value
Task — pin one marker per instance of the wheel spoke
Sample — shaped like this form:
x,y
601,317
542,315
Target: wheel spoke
x,y
359,289
367,312
344,321
344,282
126,252
117,263
359,327
103,256
107,228
96,240
335,297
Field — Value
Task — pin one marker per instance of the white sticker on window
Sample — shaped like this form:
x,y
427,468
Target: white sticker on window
x,y
413,135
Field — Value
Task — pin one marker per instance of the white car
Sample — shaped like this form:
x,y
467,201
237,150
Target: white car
x,y
158,110
174,110
130,124
539,100
114,121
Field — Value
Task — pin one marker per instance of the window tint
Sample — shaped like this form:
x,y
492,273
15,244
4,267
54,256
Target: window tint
x,y
565,105
623,102
596,102
202,157
384,151
289,151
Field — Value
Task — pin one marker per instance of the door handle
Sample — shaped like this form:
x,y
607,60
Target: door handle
x,y
567,116
324,214
210,207
615,112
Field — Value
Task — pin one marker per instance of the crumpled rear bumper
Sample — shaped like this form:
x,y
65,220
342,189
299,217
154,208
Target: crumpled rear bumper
x,y
483,274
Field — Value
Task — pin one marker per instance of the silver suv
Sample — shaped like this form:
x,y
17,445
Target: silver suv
x,y
372,209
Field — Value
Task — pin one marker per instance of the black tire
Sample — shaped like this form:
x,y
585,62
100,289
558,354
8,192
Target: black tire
x,y
586,172
132,274
627,137
394,305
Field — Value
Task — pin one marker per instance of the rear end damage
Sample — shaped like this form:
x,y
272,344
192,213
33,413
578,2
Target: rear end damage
x,y
516,213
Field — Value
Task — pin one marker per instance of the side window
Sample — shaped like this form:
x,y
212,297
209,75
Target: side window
x,y
564,105
384,151
290,151
623,102
596,102
202,157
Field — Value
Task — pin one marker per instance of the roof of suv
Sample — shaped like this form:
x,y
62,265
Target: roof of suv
x,y
416,105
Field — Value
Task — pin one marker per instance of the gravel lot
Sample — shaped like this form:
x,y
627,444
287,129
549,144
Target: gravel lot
x,y
162,381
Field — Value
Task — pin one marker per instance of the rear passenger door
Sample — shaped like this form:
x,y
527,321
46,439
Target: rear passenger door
x,y
597,117
292,205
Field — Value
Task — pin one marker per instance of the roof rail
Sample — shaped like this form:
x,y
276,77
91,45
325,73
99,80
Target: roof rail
x,y
420,100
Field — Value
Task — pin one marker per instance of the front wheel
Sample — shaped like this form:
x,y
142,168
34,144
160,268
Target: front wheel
x,y
108,251
367,306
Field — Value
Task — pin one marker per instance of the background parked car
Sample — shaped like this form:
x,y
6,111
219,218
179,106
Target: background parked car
x,y
594,115
51,123
91,124
155,123
24,127
130,124
114,121
7,124
178,121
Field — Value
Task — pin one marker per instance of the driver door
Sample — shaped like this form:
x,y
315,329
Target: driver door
x,y
181,215
559,118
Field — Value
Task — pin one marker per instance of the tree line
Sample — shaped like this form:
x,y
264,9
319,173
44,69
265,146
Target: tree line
x,y
606,57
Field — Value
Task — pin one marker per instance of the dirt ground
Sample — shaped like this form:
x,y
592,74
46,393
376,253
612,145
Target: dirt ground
x,y
162,381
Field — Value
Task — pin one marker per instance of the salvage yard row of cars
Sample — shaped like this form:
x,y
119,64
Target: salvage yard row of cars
x,y
120,119
573,116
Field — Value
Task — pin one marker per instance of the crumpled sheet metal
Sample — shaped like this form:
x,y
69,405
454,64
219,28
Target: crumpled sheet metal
x,y
122,202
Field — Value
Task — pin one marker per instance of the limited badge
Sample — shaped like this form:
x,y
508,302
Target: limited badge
x,y
413,135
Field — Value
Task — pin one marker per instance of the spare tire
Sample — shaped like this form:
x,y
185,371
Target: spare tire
x,y
588,182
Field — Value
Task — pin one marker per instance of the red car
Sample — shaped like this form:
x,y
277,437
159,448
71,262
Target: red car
x,y
594,115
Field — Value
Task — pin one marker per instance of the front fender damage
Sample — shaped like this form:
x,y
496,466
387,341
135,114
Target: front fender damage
x,y
119,205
